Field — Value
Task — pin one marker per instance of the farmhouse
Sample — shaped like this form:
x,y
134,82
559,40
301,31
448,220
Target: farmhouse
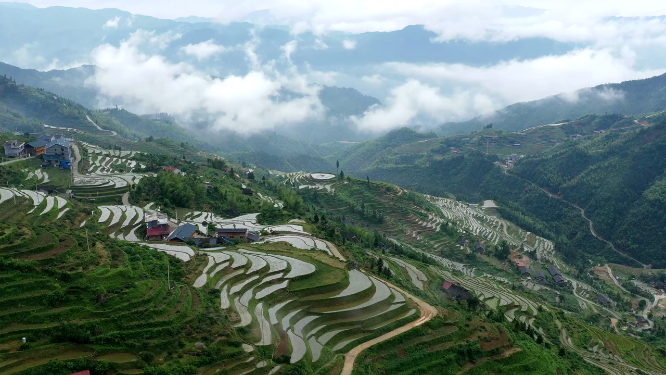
x,y
641,321
240,234
37,147
58,151
462,240
456,291
525,272
14,149
183,233
247,191
604,300
557,276
157,225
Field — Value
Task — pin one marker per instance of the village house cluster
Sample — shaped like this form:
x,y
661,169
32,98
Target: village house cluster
x,y
54,148
159,228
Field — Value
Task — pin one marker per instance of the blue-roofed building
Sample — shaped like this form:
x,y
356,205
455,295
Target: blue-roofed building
x,y
183,233
57,151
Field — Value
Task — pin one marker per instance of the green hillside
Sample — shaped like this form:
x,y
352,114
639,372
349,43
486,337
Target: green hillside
x,y
614,174
628,98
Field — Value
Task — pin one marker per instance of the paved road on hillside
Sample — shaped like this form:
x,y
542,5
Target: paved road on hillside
x,y
75,162
100,129
16,160
427,313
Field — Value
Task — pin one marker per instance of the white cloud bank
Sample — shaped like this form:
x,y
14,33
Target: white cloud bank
x,y
243,104
482,90
203,50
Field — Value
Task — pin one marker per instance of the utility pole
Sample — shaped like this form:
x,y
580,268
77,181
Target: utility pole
x,y
168,276
87,242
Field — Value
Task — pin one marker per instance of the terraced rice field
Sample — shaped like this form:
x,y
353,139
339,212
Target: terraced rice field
x,y
42,204
257,287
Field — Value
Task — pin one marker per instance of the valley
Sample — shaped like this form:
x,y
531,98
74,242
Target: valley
x,y
140,246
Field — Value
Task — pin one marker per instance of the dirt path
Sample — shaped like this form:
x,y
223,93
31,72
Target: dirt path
x,y
126,199
427,313
614,324
648,303
582,212
575,292
335,251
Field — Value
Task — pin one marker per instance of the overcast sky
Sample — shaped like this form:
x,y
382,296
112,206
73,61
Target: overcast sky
x,y
611,50
371,13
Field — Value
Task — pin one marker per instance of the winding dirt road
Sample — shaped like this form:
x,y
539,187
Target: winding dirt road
x,y
427,313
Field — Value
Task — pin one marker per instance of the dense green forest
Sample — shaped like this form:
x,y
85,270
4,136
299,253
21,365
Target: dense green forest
x,y
620,181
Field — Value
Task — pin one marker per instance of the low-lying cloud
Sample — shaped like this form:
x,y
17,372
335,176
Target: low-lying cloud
x,y
473,91
244,104
112,23
349,44
203,50
418,103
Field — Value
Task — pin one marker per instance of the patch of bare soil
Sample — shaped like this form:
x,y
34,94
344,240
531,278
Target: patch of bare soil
x,y
505,354
610,346
602,273
283,346
490,343
61,248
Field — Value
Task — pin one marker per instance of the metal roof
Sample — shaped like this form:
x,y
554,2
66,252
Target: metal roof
x,y
38,143
60,142
183,232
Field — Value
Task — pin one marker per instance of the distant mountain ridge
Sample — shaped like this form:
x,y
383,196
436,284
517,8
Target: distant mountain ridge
x,y
340,103
627,98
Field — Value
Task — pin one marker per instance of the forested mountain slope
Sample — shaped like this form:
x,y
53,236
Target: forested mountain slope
x,y
618,177
620,181
628,98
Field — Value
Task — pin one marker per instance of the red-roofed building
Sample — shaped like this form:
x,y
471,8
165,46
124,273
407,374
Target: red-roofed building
x,y
520,264
456,291
86,372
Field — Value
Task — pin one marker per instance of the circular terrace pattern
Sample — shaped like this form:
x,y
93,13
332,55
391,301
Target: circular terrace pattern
x,y
322,176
